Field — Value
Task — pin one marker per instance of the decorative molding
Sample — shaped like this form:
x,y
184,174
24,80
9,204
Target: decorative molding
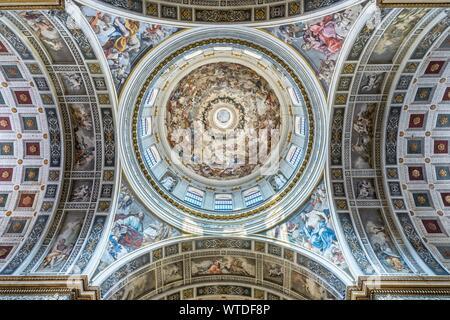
x,y
48,287
222,12
188,253
227,291
392,287
413,4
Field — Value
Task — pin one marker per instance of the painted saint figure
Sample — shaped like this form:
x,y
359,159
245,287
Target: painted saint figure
x,y
130,230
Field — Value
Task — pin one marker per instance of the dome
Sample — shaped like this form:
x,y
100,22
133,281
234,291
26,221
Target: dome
x,y
222,132
203,149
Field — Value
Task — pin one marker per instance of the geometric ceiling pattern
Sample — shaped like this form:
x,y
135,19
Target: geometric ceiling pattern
x,y
97,182
371,210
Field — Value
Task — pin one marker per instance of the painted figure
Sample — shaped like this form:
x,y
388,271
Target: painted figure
x,y
383,247
311,228
363,131
81,193
316,230
133,227
59,252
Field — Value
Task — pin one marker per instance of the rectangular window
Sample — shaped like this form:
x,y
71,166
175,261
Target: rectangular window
x,y
223,202
222,48
194,196
152,156
193,54
252,196
294,97
252,54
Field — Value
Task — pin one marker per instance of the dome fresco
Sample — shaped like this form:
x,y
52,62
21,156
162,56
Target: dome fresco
x,y
224,126
220,100
216,150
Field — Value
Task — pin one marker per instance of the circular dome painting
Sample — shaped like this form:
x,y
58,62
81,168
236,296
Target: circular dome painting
x,y
215,117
